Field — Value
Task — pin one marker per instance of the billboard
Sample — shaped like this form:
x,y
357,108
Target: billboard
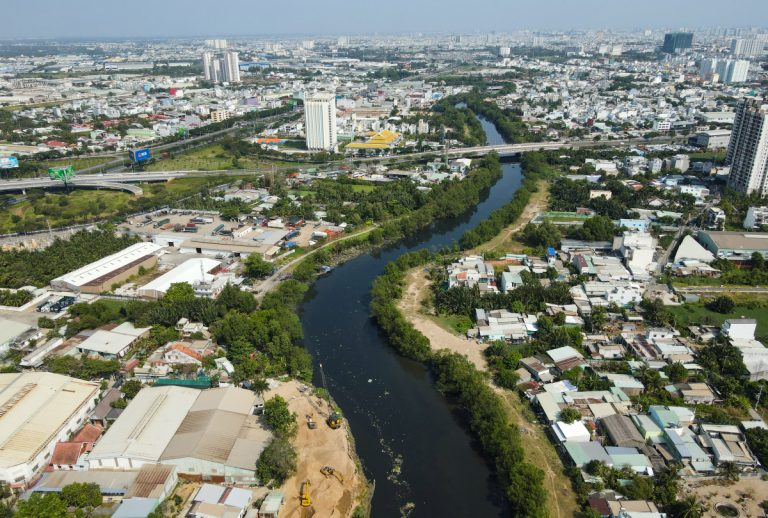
x,y
64,172
8,162
139,155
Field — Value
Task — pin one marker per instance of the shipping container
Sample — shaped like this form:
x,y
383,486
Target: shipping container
x,y
292,234
161,222
218,229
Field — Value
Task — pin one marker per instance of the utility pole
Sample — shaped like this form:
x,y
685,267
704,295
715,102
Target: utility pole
x,y
759,396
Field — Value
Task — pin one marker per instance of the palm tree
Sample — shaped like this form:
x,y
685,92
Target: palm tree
x,y
688,507
728,471
259,386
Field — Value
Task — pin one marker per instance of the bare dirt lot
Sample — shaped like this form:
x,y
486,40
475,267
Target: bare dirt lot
x,y
745,495
410,304
316,448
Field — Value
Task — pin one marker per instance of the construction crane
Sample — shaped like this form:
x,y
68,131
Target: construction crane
x,y
334,418
306,501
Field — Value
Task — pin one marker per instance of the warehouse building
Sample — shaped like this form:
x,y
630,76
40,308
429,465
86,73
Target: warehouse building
x,y
211,434
736,246
99,276
37,410
192,271
112,344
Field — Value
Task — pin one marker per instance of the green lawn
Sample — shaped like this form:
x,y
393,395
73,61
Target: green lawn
x,y
696,313
458,324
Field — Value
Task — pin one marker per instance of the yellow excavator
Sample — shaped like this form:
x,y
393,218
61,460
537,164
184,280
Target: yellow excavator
x,y
306,501
334,418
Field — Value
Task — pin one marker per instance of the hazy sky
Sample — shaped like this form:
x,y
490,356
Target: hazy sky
x,y
118,18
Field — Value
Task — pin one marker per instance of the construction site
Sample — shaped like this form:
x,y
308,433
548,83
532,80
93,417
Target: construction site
x,y
328,481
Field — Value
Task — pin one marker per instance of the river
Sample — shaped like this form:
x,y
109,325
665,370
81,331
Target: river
x,y
408,439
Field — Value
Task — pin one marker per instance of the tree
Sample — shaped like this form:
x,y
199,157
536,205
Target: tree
x,y
257,268
570,415
688,507
758,261
38,506
259,386
676,372
232,297
81,495
757,439
722,304
277,462
728,471
130,388
179,292
279,417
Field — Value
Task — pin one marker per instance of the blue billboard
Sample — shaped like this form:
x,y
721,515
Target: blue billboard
x,y
8,162
139,155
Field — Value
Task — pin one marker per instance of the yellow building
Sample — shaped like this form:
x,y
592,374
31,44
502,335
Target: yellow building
x,y
377,140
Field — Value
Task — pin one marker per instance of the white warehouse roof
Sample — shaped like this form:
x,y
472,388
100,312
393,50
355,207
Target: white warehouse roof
x,y
105,265
146,426
34,407
190,271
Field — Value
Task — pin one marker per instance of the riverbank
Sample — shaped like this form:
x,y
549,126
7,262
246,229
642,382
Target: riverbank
x,y
538,449
337,496
505,241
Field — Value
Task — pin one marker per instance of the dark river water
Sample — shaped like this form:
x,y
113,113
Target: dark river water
x,y
423,461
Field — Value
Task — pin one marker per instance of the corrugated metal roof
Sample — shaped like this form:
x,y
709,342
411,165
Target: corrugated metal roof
x,y
34,407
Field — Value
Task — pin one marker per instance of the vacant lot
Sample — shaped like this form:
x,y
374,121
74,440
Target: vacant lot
x,y
697,313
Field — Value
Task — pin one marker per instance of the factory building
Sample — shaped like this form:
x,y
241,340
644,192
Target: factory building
x,y
204,433
37,410
99,276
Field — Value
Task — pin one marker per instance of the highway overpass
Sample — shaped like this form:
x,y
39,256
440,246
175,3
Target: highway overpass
x,y
113,180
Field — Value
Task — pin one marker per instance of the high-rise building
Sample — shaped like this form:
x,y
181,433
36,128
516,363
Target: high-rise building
x,y
724,70
748,149
224,67
747,47
230,67
210,67
676,41
320,121
216,44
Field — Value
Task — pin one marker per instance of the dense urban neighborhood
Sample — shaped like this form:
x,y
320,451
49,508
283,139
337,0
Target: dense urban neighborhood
x,y
472,274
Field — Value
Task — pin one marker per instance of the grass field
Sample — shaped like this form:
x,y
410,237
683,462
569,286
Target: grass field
x,y
697,313
82,206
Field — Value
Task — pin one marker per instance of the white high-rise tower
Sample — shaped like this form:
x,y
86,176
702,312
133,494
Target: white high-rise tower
x,y
748,148
320,121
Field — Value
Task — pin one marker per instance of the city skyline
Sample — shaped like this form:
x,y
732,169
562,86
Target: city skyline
x,y
175,18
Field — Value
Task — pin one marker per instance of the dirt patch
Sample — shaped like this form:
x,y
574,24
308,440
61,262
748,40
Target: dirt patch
x,y
417,285
745,495
323,446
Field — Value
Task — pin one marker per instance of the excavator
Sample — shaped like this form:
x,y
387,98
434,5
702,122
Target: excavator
x,y
330,471
306,501
334,418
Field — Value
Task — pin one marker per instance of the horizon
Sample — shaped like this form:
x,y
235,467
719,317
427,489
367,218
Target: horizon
x,y
90,20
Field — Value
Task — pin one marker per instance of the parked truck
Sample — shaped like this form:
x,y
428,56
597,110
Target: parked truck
x,y
161,222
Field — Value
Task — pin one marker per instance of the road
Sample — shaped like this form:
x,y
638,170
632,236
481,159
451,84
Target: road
x,y
270,282
123,177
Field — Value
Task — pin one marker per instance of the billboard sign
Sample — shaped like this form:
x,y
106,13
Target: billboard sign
x,y
139,155
62,173
8,162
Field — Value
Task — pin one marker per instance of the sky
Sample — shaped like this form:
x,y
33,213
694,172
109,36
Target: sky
x,y
190,18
